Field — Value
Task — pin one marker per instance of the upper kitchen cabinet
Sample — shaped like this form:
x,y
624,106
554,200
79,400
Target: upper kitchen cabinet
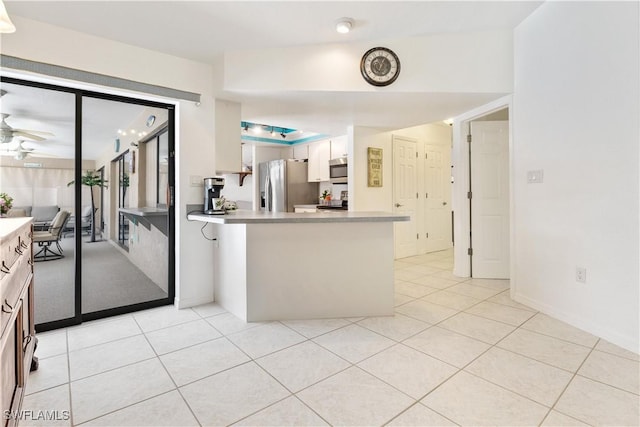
x,y
339,147
319,154
227,137
300,152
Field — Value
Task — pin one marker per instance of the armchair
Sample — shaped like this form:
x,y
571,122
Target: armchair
x,y
45,239
85,222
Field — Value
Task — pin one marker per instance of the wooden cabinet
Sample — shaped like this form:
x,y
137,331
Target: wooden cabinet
x,y
319,153
339,147
17,328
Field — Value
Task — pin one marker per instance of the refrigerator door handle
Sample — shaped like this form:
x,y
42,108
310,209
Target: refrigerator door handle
x,y
267,193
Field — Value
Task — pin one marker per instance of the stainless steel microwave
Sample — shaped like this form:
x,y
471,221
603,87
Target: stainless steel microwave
x,y
338,170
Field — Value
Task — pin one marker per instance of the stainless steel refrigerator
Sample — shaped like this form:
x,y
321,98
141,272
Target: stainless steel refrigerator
x,y
283,184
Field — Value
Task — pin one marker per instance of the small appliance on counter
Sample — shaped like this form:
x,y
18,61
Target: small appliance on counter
x,y
212,202
344,196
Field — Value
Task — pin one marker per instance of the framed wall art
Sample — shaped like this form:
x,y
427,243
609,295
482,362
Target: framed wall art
x,y
374,167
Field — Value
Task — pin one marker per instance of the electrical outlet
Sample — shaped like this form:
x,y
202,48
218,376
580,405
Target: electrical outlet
x,y
535,177
581,275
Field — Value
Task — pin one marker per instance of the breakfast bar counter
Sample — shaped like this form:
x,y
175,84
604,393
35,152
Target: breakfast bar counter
x,y
283,266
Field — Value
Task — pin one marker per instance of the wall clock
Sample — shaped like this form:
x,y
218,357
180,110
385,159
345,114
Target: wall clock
x,y
380,66
151,120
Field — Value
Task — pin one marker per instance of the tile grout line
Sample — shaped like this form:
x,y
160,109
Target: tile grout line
x,y
569,383
66,336
470,373
169,375
140,401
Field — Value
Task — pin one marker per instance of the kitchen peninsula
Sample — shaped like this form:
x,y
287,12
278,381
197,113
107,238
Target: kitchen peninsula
x,y
282,265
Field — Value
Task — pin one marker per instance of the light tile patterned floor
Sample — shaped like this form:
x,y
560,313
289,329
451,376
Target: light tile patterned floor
x,y
457,352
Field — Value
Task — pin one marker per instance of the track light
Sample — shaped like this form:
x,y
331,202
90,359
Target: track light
x,y
283,135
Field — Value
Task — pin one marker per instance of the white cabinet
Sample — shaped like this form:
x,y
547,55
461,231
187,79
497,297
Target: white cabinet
x,y
286,153
319,153
339,147
227,137
301,152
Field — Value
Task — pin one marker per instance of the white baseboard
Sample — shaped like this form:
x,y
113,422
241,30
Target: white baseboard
x,y
587,325
191,302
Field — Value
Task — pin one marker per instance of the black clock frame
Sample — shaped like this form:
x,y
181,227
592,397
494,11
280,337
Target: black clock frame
x,y
369,79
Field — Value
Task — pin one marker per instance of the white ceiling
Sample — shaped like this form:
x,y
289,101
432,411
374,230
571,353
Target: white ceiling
x,y
202,30
51,111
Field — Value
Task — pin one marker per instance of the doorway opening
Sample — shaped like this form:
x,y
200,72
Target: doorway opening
x,y
422,189
482,192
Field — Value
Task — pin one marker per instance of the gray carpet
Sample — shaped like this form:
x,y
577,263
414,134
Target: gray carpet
x,y
108,280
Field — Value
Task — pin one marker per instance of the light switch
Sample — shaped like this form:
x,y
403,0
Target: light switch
x,y
535,177
196,180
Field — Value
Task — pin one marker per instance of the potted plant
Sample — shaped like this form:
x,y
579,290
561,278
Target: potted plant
x,y
5,203
92,179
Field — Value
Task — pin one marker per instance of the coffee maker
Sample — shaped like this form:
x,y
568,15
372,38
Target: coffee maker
x,y
212,188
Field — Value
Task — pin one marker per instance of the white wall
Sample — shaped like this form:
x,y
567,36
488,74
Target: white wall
x,y
194,128
363,198
462,62
577,117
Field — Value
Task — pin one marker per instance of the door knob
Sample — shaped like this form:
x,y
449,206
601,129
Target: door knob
x,y
398,205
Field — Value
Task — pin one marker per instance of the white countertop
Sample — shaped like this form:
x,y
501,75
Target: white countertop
x,y
145,211
253,217
8,226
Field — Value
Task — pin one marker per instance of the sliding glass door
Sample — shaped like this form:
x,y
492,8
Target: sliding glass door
x,y
37,171
115,253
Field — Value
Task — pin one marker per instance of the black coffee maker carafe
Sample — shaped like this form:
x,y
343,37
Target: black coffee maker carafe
x,y
212,188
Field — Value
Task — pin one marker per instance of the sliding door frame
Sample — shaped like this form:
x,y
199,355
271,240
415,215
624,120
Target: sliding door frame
x,y
80,94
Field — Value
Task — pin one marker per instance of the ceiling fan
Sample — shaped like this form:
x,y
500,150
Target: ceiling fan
x,y
7,132
21,152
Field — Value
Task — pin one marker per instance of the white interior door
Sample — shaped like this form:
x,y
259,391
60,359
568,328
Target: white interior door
x,y
490,199
405,196
438,198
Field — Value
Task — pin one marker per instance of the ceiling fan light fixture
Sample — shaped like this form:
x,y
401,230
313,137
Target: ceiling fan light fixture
x,y
5,138
343,26
6,26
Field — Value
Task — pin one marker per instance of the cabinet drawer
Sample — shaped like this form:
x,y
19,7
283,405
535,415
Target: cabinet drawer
x,y
9,254
10,288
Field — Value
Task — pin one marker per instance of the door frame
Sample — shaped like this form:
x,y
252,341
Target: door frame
x,y
461,206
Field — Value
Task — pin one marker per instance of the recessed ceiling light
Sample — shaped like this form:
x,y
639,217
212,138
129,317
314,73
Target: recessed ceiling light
x,y
343,26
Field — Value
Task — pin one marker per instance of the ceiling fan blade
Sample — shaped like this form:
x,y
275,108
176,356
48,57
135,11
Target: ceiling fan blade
x,y
29,135
37,154
41,132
